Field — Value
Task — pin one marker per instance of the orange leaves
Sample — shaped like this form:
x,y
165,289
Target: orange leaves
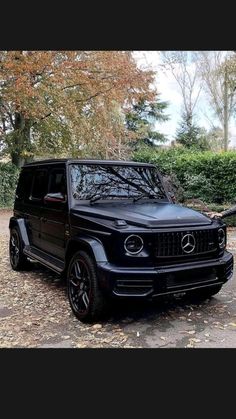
x,y
94,73
84,91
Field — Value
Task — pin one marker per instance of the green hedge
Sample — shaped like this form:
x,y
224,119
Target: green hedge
x,y
205,175
229,221
8,181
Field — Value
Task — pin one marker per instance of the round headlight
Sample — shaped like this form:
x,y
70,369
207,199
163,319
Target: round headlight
x,y
221,238
133,244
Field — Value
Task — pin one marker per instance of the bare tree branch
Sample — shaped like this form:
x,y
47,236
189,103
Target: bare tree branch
x,y
221,93
180,64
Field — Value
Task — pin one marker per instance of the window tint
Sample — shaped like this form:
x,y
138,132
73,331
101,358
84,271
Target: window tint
x,y
24,185
39,184
57,182
110,182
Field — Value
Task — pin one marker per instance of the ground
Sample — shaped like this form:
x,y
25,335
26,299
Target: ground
x,y
34,312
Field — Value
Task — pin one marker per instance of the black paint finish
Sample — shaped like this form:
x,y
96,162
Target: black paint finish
x,y
54,231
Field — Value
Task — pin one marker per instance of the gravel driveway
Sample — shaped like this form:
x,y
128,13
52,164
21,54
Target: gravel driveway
x,y
34,312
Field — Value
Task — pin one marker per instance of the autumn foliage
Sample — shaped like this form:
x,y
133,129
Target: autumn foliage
x,y
55,103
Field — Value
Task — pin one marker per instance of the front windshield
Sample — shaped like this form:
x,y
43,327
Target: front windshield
x,y
109,182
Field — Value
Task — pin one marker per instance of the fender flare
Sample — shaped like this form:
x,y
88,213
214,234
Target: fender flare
x,y
94,246
20,224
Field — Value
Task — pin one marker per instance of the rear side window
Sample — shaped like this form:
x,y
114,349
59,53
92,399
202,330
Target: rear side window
x,y
24,185
40,185
57,181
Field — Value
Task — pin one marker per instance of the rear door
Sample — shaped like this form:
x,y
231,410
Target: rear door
x,y
34,206
23,192
55,215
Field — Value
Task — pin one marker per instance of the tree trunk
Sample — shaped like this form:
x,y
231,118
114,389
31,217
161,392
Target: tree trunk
x,y
16,159
226,112
21,138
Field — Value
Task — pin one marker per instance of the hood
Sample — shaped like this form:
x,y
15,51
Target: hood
x,y
145,214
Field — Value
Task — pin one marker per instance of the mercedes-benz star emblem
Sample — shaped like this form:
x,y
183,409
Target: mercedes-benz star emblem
x,y
188,243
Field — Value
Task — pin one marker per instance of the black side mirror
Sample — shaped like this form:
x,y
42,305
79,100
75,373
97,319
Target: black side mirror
x,y
172,196
55,197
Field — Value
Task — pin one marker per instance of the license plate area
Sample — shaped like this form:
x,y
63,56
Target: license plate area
x,y
191,277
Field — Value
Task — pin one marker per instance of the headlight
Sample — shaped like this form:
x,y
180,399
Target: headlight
x,y
133,244
221,238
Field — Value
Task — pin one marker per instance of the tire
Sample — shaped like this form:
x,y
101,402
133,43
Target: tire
x,y
85,297
18,260
205,293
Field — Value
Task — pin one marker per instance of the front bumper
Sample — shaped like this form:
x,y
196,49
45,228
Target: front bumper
x,y
152,282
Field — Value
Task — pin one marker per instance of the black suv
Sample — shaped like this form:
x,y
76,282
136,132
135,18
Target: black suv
x,y
112,229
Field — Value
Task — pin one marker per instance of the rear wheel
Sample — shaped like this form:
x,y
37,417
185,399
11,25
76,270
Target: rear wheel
x,y
86,299
18,260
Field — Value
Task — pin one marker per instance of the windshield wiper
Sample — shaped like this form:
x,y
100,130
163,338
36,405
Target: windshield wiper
x,y
95,198
144,195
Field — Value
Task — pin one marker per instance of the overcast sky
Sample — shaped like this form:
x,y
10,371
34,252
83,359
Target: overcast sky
x,y
169,91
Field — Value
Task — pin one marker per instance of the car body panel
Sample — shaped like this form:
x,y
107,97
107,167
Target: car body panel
x,y
54,230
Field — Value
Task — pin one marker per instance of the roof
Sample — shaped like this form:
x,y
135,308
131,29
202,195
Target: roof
x,y
90,161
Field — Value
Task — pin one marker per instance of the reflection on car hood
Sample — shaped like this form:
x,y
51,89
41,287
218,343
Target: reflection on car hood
x,y
146,214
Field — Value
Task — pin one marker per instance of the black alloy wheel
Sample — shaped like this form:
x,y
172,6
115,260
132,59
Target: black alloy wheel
x,y
86,299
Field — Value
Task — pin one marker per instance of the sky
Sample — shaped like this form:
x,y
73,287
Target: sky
x,y
169,91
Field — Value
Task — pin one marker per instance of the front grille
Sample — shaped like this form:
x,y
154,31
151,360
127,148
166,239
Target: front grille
x,y
169,244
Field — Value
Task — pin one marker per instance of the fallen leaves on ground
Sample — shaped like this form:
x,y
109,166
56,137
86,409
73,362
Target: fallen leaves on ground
x,y
34,312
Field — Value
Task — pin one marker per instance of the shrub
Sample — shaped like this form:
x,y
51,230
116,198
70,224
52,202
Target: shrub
x,y
8,181
198,186
207,175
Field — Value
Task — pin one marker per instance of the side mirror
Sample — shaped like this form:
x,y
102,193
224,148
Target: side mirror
x,y
172,196
55,197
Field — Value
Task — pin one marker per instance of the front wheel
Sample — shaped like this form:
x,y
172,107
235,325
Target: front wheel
x,y
86,299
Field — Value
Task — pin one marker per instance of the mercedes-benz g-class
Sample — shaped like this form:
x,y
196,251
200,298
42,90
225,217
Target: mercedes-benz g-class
x,y
112,229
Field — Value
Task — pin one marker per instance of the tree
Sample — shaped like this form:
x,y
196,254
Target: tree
x,y
142,120
190,135
214,138
216,69
68,102
182,65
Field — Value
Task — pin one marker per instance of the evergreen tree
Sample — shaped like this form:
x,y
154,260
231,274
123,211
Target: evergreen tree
x,y
141,119
191,135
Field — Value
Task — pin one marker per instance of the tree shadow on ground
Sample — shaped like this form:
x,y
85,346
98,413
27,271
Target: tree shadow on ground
x,y
131,309
153,309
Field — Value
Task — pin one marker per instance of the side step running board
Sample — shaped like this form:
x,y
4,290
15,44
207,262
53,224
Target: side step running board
x,y
51,262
